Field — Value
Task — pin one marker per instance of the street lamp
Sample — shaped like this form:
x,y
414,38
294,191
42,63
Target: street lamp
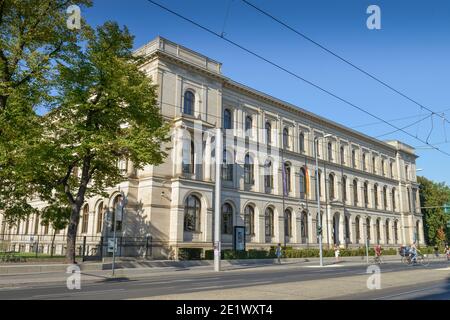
x,y
319,229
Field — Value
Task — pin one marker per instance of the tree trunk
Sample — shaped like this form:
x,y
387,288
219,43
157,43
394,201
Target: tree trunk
x,y
53,243
72,234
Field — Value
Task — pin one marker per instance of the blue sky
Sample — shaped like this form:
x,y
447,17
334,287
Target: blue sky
x,y
411,52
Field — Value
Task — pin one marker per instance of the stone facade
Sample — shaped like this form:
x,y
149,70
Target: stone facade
x,y
367,187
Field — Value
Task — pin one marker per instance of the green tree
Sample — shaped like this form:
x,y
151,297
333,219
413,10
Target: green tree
x,y
106,111
434,196
33,37
56,215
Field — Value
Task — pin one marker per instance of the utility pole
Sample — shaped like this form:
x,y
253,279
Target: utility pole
x,y
284,190
319,229
217,233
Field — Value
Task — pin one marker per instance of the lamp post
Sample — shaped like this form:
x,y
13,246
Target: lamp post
x,y
319,229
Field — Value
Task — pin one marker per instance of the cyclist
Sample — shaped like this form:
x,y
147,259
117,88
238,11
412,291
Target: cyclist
x,y
413,252
378,252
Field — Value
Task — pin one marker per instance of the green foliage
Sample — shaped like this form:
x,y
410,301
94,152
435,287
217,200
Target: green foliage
x,y
33,38
189,253
56,215
436,195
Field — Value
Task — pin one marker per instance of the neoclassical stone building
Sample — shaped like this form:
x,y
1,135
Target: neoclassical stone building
x,y
368,187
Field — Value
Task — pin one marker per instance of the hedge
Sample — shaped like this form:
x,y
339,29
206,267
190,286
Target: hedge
x,y
190,253
289,252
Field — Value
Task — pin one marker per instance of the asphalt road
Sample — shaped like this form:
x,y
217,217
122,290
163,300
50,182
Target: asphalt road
x,y
183,283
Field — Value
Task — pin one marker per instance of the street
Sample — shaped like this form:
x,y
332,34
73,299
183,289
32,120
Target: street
x,y
269,282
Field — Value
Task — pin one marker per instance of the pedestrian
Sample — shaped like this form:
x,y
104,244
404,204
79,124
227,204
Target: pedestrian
x,y
436,251
278,253
336,252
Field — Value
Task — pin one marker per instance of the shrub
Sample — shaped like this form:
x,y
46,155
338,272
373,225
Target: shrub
x,y
189,253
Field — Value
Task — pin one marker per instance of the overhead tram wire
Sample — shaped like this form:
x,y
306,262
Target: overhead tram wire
x,y
291,73
343,59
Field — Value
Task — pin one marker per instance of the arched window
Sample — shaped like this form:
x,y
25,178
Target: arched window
x,y
304,225
347,228
227,166
378,230
396,231
330,151
100,212
189,101
409,198
374,167
391,169
368,228
355,192
18,227
268,133
36,225
375,193
302,142
268,176
354,158
286,138
115,209
227,119
227,219
188,157
303,183
248,125
357,229
248,170
192,214
394,205
286,178
344,189
388,236
342,155
331,186
288,223
366,194
385,201
269,222
85,221
417,236
319,177
249,217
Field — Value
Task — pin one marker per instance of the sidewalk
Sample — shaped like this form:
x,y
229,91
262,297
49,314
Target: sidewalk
x,y
127,263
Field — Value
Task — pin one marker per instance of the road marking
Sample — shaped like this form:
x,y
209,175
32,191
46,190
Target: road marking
x,y
64,294
409,292
326,266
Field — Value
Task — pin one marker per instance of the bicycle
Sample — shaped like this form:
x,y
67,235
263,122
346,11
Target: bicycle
x,y
377,260
420,259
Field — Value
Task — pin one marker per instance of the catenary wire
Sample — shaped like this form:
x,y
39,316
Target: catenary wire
x,y
292,73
